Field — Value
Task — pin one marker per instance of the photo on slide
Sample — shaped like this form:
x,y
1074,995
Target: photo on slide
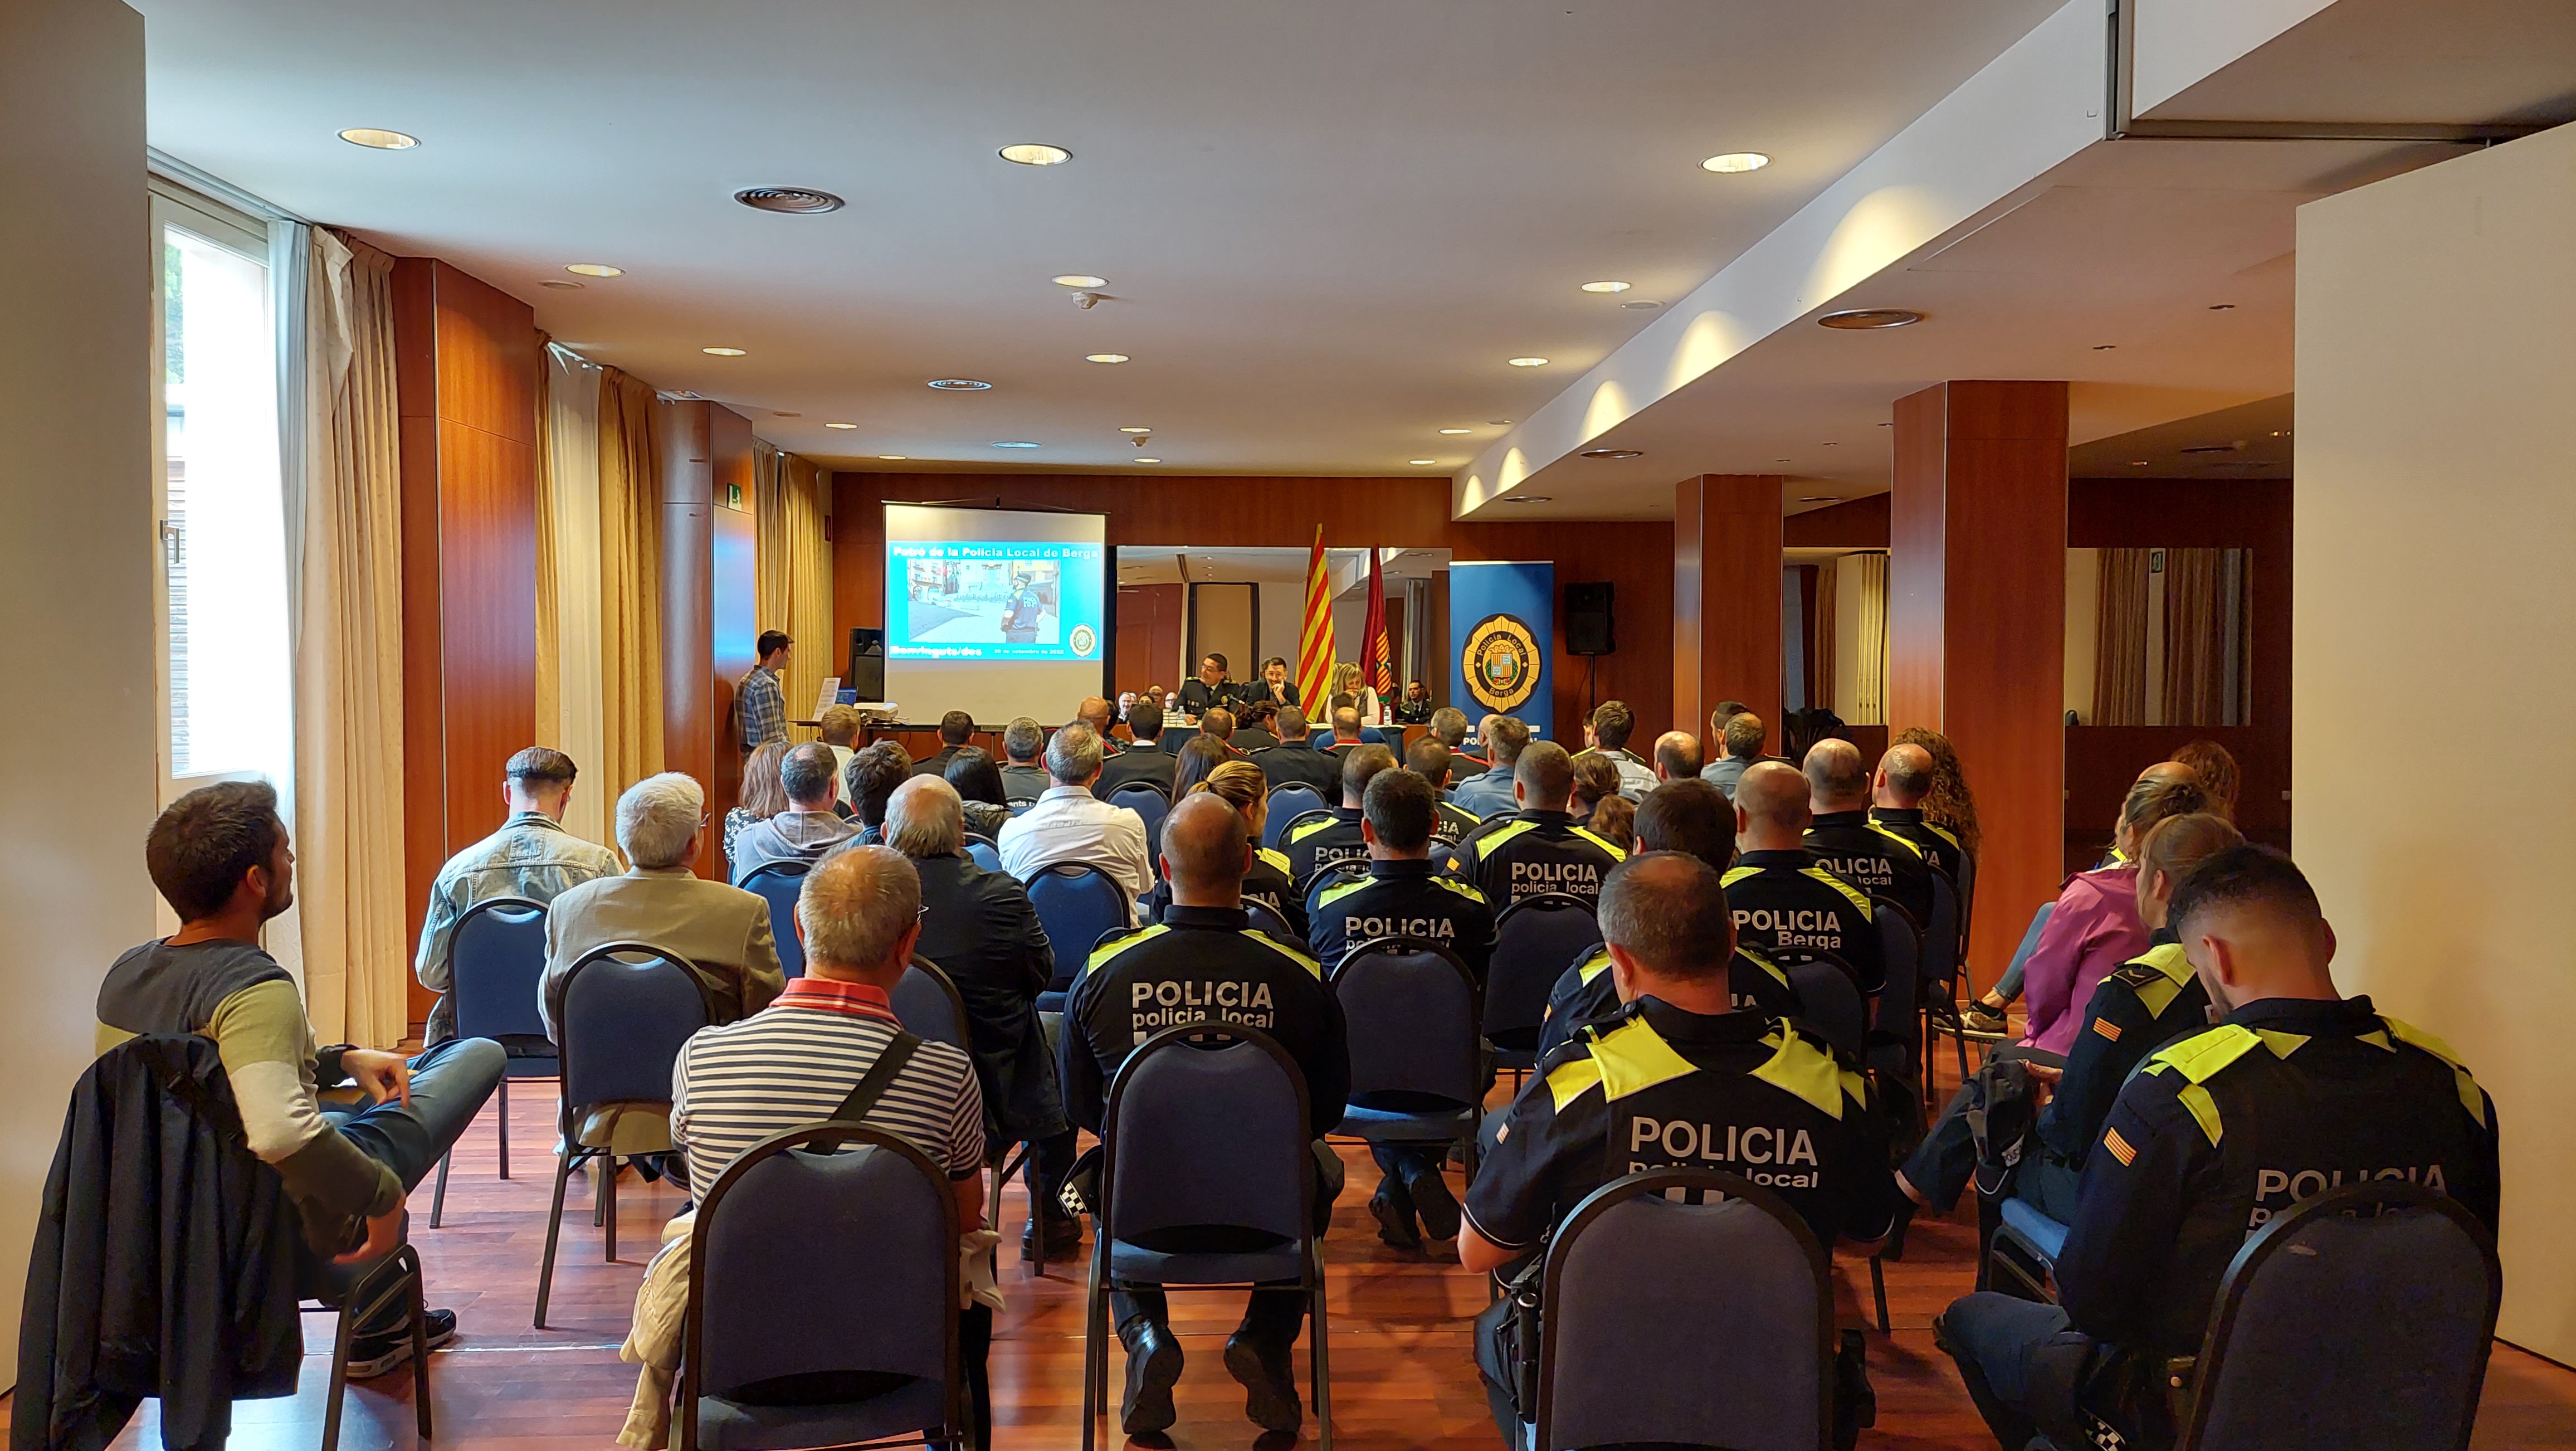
x,y
977,601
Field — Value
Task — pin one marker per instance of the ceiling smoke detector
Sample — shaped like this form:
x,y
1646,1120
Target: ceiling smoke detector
x,y
797,201
1866,319
1614,453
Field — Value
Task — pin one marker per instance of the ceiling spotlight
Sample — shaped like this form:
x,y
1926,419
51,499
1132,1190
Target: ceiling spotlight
x,y
1453,432
1104,357
1149,460
1135,430
1498,423
894,458
1527,498
1421,462
2222,307
1079,279
376,140
1641,306
1733,163
801,201
724,352
1605,287
594,269
560,284
1614,453
840,425
1013,443
2137,463
1865,319
1527,362
961,385
1820,498
786,415
1030,153
2104,347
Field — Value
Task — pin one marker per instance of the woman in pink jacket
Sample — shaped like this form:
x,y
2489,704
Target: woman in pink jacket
x,y
2095,927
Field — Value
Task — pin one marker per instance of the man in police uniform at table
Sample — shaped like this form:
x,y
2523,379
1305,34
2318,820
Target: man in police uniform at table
x,y
1537,848
1788,906
1210,690
2212,1136
1202,961
1677,1079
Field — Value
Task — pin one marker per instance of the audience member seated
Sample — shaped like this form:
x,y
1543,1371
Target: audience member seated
x,y
1196,762
795,1064
2170,1193
1787,907
1537,848
2216,769
808,827
1489,793
1415,708
1448,726
1218,726
1986,1014
1691,817
1324,842
2096,927
1677,1052
1094,712
762,795
1596,779
956,728
1850,845
1070,824
1346,728
1205,952
1024,776
1677,756
871,779
1146,762
840,727
1739,737
1255,732
2149,1002
1896,796
530,857
978,926
719,932
1429,759
1296,759
1606,734
978,783
1265,878
220,857
1615,821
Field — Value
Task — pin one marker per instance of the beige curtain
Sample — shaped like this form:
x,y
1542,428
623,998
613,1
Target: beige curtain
x,y
630,582
1870,667
1828,582
794,565
348,667
2120,639
2195,681
570,703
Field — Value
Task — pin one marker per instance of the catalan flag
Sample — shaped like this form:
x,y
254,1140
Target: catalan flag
x,y
1315,641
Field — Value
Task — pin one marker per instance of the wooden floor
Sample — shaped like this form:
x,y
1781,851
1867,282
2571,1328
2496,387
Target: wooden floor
x,y
1402,1374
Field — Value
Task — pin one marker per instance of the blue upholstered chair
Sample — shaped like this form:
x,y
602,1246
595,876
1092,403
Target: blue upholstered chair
x,y
496,957
780,884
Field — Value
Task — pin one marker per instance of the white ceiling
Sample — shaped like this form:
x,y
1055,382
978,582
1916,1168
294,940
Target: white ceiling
x,y
1325,225
2251,441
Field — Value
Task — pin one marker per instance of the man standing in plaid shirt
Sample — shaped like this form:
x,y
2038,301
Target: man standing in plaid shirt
x,y
758,701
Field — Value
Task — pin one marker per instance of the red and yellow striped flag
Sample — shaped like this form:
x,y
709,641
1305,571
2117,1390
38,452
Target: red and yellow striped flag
x,y
1315,641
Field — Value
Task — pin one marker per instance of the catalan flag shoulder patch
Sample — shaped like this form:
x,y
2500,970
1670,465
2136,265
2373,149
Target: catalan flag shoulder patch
x,y
2119,1147
2107,1029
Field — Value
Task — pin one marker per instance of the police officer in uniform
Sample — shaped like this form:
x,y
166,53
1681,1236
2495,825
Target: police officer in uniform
x,y
1324,842
1896,794
1690,816
1538,848
1203,961
1851,846
1020,616
1296,759
1402,897
1429,759
1677,1078
1209,690
1265,877
1787,906
2296,1088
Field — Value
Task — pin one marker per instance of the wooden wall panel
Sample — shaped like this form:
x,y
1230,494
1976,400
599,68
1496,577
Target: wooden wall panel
x,y
1860,524
706,447
487,579
1222,512
1976,623
1149,635
1726,598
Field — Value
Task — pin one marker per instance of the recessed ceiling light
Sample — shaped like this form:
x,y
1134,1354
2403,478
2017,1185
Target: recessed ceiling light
x,y
1865,319
724,352
1732,163
1031,153
1820,498
377,140
1605,287
801,201
1453,432
1614,453
1779,460
786,415
1149,460
1527,498
1498,423
960,385
594,269
1641,306
2222,307
1135,430
894,458
840,425
561,284
1079,279
1104,357
1828,443
1013,443
1420,462
1527,362
2137,463
2104,347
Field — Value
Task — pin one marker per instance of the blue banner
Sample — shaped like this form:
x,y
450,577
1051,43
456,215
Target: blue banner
x,y
1502,622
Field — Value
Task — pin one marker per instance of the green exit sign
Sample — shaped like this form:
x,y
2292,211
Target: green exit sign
x,y
733,496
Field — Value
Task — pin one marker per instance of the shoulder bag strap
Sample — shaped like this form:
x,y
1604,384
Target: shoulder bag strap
x,y
872,1085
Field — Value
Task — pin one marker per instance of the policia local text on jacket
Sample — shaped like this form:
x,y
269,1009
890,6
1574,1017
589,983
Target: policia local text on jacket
x,y
2215,1134
1532,852
1404,897
1792,909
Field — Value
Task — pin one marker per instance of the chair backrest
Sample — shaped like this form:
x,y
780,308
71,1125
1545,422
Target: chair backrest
x,y
1967,899
1939,966
984,854
1829,1002
1207,1125
2362,1317
780,884
1415,1019
1708,1324
627,1008
807,1266
1075,903
1264,919
1151,802
977,838
1288,800
1902,940
1535,941
927,1003
496,957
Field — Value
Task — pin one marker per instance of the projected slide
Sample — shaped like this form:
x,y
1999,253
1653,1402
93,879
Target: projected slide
x,y
996,612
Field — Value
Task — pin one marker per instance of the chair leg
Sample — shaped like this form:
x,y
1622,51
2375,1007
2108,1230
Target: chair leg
x,y
1319,1356
602,1169
505,1125
419,1297
438,1197
608,1207
1095,1355
554,1230
1961,1040
1878,1290
339,1375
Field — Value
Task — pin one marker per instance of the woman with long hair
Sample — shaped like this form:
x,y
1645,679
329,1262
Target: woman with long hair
x,y
1950,806
1347,680
763,794
979,788
2096,926
1199,759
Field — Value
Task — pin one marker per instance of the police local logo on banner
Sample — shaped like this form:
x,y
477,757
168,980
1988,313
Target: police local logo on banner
x,y
1502,618
1500,663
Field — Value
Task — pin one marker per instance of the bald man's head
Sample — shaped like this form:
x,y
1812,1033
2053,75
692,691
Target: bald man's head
x,y
1205,851
1837,780
1544,777
2168,773
1904,776
1771,800
1096,713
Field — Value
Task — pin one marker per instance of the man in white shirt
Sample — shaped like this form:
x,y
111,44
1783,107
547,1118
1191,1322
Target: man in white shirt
x,y
1069,824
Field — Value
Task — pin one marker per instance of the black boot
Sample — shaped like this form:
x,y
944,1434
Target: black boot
x,y
1153,1366
1431,1197
1261,1360
1855,1403
1392,1208
1063,1235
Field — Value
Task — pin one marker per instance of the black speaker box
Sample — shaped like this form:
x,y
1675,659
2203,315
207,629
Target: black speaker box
x,y
1590,628
867,664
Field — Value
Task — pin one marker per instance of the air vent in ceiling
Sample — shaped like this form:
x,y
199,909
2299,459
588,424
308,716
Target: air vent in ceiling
x,y
794,200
